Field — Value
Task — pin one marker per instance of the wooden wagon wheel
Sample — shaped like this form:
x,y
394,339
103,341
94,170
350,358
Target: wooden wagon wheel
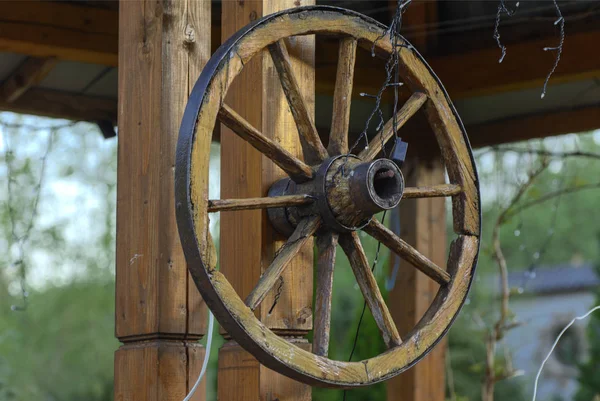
x,y
322,199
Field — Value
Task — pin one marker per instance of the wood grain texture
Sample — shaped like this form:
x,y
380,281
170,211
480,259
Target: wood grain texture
x,y
394,243
227,205
158,370
313,149
412,105
434,191
269,348
326,249
152,279
62,30
158,309
28,74
368,286
58,104
303,232
423,226
295,168
249,174
342,97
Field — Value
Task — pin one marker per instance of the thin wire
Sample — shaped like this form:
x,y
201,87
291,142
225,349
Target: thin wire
x,y
211,320
558,48
539,373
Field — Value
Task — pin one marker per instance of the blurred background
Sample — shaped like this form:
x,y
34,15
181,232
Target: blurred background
x,y
57,242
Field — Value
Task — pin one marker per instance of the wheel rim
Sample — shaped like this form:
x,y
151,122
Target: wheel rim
x,y
191,181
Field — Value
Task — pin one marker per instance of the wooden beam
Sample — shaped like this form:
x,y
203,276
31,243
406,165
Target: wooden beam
x,y
159,312
477,73
28,74
541,125
246,173
422,225
60,29
50,103
420,14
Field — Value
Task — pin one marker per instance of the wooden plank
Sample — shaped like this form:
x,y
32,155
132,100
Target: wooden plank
x,y
246,173
423,225
478,73
60,29
155,298
49,103
28,74
540,125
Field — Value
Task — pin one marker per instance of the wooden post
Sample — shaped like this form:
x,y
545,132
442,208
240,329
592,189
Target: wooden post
x,y
159,313
248,243
423,225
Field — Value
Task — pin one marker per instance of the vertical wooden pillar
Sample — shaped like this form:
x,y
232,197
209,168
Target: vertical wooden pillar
x,y
248,243
423,225
163,46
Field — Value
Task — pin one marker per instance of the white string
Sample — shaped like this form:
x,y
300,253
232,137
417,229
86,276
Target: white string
x,y
211,320
537,377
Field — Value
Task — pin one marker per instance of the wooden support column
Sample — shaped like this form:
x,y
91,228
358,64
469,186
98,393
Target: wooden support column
x,y
160,315
422,225
248,243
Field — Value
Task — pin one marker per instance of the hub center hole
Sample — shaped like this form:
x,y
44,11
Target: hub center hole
x,y
386,183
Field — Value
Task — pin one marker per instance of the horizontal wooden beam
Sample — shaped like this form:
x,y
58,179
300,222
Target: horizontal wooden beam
x,y
49,103
549,123
60,29
477,73
28,74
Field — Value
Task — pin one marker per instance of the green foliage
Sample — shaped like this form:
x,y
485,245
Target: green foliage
x,y
62,346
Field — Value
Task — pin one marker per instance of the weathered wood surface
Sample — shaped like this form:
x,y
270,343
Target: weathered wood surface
x,y
271,350
397,245
423,226
63,30
326,249
58,104
368,286
296,169
303,232
412,105
248,245
159,312
342,97
313,148
433,191
28,74
228,205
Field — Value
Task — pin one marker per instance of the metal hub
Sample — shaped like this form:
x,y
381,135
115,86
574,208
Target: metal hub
x,y
347,191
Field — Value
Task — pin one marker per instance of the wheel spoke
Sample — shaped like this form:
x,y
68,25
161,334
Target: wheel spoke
x,y
342,95
394,243
436,191
313,149
227,205
305,229
368,285
412,105
295,168
326,247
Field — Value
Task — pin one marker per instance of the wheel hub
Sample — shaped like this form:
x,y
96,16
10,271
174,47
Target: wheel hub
x,y
347,193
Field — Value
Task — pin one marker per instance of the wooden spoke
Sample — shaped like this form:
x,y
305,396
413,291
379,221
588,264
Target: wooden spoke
x,y
227,205
368,285
313,149
405,251
412,105
435,191
326,247
295,168
305,229
342,95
